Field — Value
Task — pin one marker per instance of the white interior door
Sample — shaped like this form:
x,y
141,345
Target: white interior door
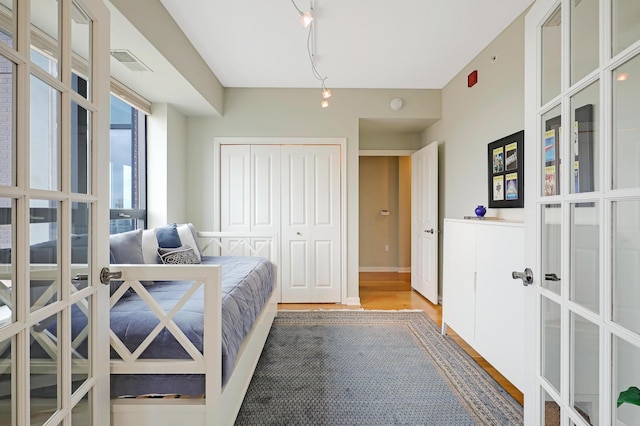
x,y
235,196
424,218
311,224
582,211
54,218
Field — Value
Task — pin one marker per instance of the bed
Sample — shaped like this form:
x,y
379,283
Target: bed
x,y
184,349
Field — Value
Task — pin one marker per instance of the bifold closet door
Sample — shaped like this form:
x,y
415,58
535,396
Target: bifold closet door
x,y
249,193
310,218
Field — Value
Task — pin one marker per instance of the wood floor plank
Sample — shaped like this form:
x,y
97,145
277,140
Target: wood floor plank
x,y
392,291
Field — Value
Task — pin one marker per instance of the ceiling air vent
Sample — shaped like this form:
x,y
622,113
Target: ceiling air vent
x,y
129,60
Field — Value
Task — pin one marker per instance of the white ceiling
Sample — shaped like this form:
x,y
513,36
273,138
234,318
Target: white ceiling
x,y
410,44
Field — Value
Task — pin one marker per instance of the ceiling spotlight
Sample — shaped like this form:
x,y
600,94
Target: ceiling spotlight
x,y
305,17
623,76
324,103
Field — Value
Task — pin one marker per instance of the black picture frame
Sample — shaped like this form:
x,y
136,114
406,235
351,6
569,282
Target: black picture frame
x,y
506,171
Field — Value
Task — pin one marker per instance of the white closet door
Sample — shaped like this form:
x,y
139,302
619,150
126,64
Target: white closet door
x,y
310,269
265,192
235,195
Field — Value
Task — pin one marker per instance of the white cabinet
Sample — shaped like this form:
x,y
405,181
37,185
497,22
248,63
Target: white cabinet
x,y
481,302
293,191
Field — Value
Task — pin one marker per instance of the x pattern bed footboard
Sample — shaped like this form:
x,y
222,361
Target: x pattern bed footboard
x,y
199,275
239,244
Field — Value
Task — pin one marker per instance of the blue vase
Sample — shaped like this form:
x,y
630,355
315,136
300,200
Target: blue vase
x,y
481,211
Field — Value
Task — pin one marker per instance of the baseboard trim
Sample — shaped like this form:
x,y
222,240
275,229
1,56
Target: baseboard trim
x,y
352,301
403,270
378,269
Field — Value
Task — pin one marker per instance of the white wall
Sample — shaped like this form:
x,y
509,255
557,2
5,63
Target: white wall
x,y
296,113
166,166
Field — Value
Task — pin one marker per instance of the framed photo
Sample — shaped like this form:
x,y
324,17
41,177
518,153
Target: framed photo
x,y
506,171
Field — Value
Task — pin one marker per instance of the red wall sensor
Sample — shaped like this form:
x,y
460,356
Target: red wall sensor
x,y
472,78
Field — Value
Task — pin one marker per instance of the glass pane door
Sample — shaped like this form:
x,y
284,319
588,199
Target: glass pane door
x,y
584,214
51,370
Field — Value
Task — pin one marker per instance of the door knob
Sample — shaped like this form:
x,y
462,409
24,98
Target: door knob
x,y
106,276
429,231
297,233
526,276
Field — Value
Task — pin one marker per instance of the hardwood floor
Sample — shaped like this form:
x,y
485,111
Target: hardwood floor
x,y
392,291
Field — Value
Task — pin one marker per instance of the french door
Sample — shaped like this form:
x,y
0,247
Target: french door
x,y
582,114
54,102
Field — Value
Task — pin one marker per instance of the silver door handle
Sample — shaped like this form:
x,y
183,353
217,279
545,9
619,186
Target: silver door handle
x,y
106,276
526,276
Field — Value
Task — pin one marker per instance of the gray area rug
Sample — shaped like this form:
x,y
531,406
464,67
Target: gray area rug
x,y
370,368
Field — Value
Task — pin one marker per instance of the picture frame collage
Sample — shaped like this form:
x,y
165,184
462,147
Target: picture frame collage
x,y
506,171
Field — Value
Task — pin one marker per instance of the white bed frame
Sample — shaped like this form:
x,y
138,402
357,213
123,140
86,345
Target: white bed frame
x,y
221,404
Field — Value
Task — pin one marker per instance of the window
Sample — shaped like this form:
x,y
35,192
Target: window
x,y
128,167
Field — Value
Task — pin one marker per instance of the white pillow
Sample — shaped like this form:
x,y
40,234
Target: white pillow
x,y
186,238
150,246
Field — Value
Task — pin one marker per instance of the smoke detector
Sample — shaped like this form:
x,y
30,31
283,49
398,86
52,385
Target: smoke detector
x,y
396,104
129,60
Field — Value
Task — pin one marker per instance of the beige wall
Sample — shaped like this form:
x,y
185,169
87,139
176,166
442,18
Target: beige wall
x,y
297,113
399,141
474,117
471,119
404,214
379,191
385,184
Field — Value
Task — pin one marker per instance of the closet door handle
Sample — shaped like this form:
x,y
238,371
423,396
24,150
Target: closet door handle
x,y
429,231
297,233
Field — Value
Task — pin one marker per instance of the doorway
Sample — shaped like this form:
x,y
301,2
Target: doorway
x,y
385,213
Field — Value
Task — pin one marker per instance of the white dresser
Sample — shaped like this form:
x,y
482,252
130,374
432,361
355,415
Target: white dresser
x,y
481,302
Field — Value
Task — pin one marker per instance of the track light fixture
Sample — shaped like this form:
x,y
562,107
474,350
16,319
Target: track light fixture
x,y
307,19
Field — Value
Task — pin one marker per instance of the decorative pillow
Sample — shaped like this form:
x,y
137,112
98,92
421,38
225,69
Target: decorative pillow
x,y
183,255
187,239
168,236
194,233
150,246
126,248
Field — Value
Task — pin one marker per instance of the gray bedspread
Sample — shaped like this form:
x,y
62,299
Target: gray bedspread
x,y
247,283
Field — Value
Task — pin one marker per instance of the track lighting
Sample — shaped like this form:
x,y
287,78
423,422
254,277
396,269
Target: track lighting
x,y
306,19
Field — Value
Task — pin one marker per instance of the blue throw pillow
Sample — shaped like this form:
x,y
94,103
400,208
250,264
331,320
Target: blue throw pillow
x,y
168,236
